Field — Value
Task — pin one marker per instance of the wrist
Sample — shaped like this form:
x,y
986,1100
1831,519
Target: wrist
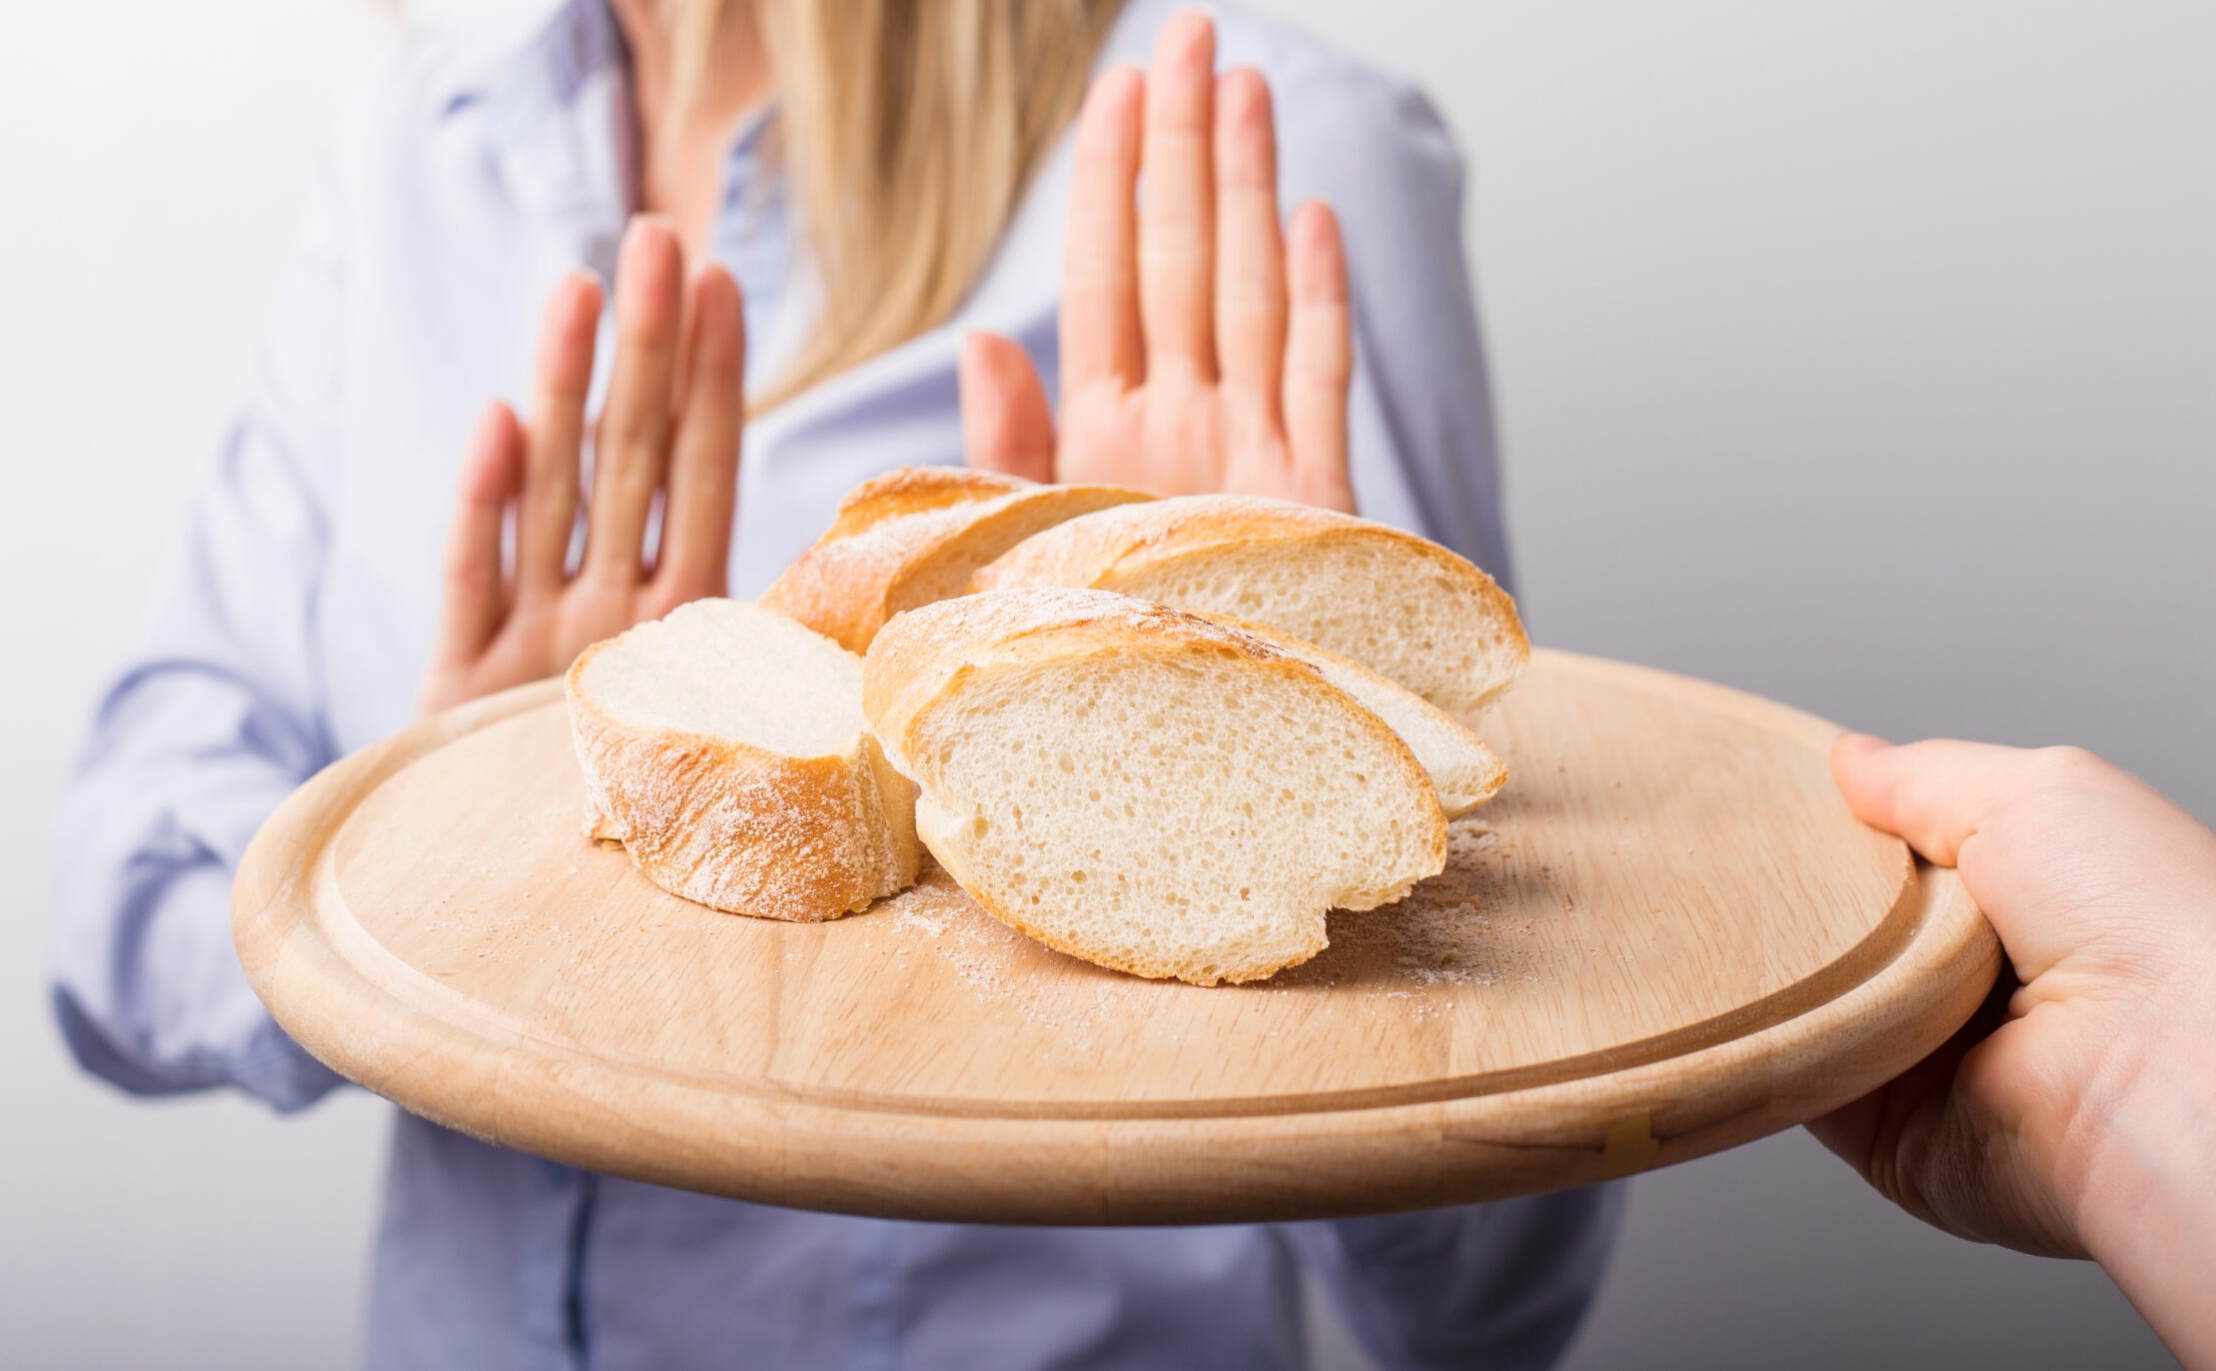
x,y
2145,1202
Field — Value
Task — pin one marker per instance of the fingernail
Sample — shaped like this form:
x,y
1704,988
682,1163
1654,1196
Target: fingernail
x,y
1859,743
644,220
1206,14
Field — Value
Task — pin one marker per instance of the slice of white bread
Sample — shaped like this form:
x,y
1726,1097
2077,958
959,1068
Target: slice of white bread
x,y
724,746
1400,605
1464,772
915,536
1143,788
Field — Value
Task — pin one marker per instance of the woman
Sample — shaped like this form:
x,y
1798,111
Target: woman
x,y
908,186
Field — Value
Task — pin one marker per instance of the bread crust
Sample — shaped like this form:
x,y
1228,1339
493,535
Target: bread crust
x,y
917,538
926,660
741,828
912,490
1115,548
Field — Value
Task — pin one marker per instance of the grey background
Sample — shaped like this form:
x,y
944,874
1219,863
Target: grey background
x,y
1859,355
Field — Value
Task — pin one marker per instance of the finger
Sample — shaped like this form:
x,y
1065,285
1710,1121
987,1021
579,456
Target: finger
x,y
1177,211
1250,259
1920,1144
704,461
1934,794
1006,424
1865,1133
475,601
632,442
561,377
1319,358
1100,273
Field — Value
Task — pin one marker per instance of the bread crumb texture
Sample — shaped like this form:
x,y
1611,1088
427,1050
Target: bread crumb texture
x,y
1142,788
1398,604
724,746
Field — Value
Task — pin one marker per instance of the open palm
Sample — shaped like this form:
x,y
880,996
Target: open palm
x,y
1202,349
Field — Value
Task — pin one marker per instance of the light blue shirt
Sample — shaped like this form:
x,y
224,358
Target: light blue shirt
x,y
479,164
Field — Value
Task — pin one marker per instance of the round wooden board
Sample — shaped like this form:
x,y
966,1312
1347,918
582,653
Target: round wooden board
x,y
1667,936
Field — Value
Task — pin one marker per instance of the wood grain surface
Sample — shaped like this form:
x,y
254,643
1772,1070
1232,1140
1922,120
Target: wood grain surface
x,y
1665,937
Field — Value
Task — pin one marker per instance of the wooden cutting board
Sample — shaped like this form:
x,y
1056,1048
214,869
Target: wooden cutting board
x,y
1667,936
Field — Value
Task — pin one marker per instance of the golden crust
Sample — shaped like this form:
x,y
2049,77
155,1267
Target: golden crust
x,y
1087,554
741,828
925,656
848,585
927,659
912,490
1117,549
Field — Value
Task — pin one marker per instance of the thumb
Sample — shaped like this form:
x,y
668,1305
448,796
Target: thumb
x,y
1935,794
1006,424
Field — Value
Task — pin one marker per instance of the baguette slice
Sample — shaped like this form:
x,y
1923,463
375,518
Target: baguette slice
x,y
1400,605
1143,788
915,536
1464,772
723,745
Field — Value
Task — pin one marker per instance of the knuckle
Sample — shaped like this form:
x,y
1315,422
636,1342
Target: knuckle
x,y
629,439
2069,767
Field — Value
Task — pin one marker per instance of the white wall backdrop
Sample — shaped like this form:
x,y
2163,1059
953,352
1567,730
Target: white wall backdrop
x,y
1861,355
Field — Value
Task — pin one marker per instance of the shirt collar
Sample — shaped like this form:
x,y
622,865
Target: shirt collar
x,y
555,113
546,72
558,106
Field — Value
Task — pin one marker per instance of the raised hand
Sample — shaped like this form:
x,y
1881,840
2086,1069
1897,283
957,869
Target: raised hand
x,y
670,425
1202,350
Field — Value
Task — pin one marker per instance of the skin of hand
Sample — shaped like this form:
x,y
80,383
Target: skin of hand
x,y
670,426
2076,1116
1202,350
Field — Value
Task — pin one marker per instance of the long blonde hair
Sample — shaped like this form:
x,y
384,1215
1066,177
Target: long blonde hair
x,y
908,130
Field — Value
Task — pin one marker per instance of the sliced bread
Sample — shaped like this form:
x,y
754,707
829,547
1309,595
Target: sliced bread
x,y
916,536
1464,772
1143,788
724,746
1398,604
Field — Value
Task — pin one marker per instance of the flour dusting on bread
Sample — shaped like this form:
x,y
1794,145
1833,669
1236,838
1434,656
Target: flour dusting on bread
x,y
915,536
724,746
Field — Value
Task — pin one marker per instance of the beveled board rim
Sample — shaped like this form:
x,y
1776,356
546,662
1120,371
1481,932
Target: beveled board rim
x,y
1888,1001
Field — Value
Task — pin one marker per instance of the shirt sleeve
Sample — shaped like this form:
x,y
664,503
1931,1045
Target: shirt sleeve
x,y
1420,417
215,718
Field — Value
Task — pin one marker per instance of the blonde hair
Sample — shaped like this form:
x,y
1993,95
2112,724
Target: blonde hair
x,y
908,130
